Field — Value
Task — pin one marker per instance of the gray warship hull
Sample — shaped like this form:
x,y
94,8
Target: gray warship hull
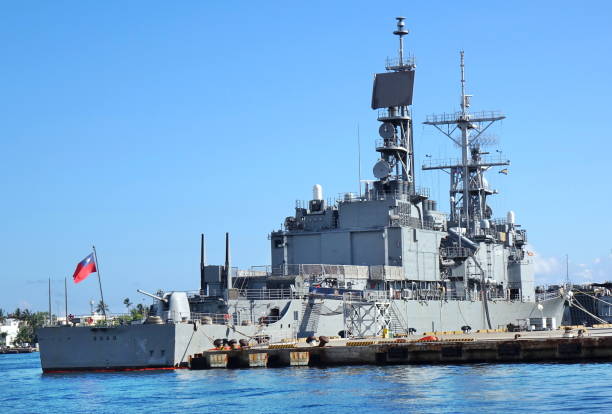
x,y
169,345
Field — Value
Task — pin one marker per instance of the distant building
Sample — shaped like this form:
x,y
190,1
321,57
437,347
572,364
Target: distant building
x,y
10,327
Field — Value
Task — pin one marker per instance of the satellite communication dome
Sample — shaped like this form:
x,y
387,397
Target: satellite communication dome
x,y
317,192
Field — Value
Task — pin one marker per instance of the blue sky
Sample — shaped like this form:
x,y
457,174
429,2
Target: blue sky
x,y
135,126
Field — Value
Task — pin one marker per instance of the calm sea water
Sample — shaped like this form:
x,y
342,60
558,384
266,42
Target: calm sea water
x,y
522,388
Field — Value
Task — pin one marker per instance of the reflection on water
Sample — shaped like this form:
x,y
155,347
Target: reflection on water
x,y
363,389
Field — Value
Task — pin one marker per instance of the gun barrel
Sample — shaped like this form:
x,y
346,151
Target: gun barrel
x,y
151,295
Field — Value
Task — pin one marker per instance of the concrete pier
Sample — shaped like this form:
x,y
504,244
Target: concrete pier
x,y
491,347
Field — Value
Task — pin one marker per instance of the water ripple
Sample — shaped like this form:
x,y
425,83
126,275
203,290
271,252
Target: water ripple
x,y
545,388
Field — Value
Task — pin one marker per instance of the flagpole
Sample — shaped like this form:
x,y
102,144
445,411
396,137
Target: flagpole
x,y
50,318
66,299
99,281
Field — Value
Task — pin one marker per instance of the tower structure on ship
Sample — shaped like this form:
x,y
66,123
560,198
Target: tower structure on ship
x,y
392,95
468,187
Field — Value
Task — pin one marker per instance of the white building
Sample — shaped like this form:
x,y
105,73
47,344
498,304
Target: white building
x,y
11,328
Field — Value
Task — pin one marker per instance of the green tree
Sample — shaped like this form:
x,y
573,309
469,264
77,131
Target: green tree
x,y
127,303
139,312
102,307
38,319
136,315
143,310
17,314
2,315
26,315
25,335
30,322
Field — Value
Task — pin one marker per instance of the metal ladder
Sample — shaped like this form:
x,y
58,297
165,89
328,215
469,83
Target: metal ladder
x,y
397,323
310,318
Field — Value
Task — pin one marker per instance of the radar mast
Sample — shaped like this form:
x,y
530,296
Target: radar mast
x,y
392,96
468,187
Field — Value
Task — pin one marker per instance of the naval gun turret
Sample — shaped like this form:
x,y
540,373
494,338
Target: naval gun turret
x,y
171,306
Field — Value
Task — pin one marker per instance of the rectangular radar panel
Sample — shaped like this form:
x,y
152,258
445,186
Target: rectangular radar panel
x,y
392,89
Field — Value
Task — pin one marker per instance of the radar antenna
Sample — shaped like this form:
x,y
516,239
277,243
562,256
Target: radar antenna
x,y
401,32
468,188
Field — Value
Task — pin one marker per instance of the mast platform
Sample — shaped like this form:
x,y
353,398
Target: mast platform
x,y
454,118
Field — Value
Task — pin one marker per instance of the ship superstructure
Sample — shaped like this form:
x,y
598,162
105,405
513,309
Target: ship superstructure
x,y
384,261
396,231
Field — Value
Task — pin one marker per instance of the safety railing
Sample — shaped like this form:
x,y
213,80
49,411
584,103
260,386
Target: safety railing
x,y
453,252
394,63
422,191
541,297
390,143
111,319
385,114
499,221
431,294
266,294
456,116
236,319
253,271
214,318
407,221
430,163
347,271
375,195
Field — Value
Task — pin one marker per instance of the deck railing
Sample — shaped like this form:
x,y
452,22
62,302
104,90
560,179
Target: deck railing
x,y
541,297
270,294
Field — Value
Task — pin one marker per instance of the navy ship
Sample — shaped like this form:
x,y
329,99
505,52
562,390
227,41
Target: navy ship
x,y
387,261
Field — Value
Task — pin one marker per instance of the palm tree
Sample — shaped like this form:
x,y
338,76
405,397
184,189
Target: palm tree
x,y
101,307
139,311
26,315
127,303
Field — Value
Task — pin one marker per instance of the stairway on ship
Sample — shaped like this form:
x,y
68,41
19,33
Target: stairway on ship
x,y
310,318
397,324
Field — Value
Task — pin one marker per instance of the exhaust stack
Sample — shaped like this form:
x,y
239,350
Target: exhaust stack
x,y
228,266
203,284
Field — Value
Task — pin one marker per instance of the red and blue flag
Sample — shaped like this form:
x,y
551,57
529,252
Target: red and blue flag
x,y
86,267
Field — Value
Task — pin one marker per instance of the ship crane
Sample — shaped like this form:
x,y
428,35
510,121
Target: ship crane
x,y
468,187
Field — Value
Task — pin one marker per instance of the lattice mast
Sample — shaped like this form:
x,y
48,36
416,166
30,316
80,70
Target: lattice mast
x,y
468,187
393,92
